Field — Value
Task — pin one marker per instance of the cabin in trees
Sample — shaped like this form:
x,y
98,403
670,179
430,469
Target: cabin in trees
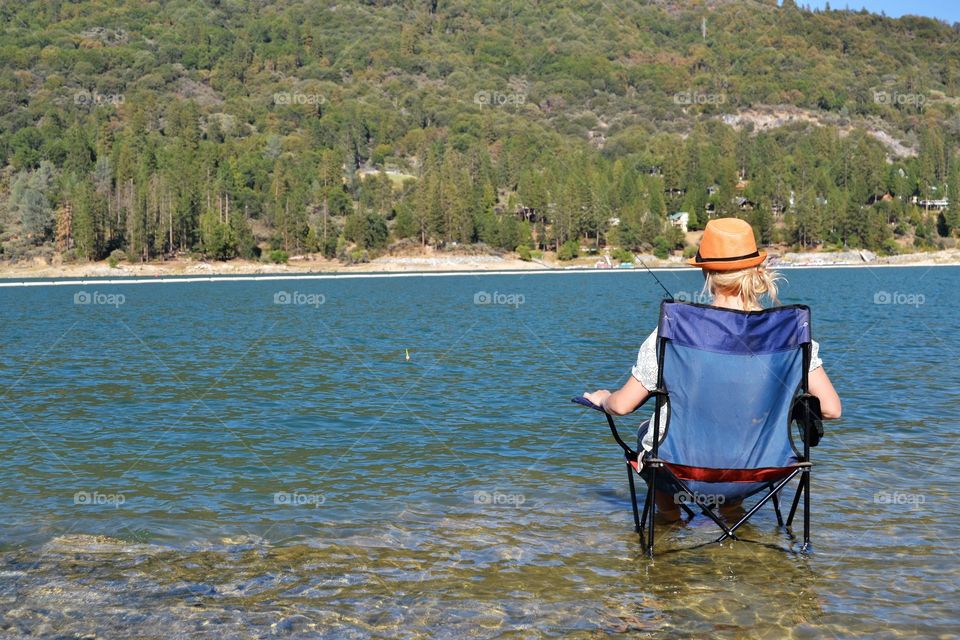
x,y
887,197
679,220
939,204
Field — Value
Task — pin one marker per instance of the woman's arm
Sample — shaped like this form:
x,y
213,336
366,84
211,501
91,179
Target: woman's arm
x,y
821,387
622,401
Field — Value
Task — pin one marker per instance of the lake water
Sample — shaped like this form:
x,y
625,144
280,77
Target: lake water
x,y
201,460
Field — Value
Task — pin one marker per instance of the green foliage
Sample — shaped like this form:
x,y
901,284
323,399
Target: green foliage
x,y
569,250
353,256
30,204
116,257
219,242
329,247
889,247
523,251
181,129
368,230
278,256
405,224
674,237
661,247
622,255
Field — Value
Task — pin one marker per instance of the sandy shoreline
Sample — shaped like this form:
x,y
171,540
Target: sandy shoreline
x,y
437,264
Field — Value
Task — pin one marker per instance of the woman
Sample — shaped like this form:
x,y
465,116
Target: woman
x,y
736,279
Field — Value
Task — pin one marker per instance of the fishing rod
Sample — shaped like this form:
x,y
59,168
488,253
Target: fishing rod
x,y
650,271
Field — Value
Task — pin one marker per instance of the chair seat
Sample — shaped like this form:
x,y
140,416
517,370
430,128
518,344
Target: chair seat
x,y
720,485
707,474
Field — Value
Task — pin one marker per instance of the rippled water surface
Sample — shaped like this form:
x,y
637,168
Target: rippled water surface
x,y
196,460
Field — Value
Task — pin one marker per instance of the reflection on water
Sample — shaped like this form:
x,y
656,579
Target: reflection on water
x,y
201,462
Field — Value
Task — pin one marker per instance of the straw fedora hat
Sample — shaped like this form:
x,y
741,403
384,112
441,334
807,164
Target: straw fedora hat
x,y
727,245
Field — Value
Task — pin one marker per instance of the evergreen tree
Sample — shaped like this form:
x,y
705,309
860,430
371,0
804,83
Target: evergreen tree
x,y
30,201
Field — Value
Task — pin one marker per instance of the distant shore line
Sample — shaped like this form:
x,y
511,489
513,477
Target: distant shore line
x,y
341,275
428,263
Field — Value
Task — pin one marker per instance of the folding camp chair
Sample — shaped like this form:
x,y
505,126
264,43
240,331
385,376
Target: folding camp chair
x,y
734,383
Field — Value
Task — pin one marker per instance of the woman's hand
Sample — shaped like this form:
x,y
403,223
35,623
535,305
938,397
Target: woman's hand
x,y
597,397
626,399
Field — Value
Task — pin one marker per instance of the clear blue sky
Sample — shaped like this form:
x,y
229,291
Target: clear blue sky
x,y
947,10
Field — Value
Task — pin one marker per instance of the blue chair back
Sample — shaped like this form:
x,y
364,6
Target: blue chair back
x,y
731,378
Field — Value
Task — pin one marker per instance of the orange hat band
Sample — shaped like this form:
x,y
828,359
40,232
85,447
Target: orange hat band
x,y
699,258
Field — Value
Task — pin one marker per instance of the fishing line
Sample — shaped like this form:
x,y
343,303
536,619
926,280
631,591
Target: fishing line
x,y
667,291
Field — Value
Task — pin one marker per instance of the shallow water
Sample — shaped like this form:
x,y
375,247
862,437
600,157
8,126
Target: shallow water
x,y
194,460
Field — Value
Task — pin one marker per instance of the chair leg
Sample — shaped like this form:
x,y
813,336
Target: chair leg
x,y
633,498
776,507
643,518
653,508
806,511
756,507
707,511
796,500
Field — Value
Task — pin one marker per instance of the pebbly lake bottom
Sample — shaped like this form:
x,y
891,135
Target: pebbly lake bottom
x,y
537,575
201,461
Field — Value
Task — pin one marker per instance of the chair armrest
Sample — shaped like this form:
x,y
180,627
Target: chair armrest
x,y
586,403
627,451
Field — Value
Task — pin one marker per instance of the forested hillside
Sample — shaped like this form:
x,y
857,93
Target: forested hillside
x,y
231,128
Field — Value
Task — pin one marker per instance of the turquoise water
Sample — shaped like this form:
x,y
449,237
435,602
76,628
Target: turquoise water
x,y
201,460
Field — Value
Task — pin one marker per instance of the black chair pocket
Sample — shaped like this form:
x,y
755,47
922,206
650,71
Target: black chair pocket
x,y
806,413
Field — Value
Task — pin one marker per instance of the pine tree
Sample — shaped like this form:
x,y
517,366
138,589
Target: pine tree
x,y
656,204
64,229
88,220
951,217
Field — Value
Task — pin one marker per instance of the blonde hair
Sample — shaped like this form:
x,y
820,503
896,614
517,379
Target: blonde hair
x,y
749,285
